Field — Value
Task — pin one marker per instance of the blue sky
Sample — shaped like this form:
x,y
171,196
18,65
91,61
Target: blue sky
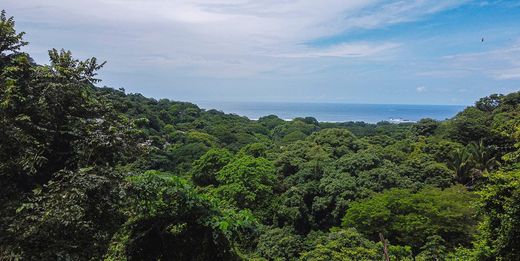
x,y
358,51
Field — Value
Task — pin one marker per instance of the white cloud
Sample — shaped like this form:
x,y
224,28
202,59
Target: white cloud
x,y
420,89
218,37
508,74
345,50
500,63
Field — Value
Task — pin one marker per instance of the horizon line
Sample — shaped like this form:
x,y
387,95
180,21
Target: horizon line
x,y
325,102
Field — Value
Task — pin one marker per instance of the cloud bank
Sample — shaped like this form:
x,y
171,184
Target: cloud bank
x,y
224,35
302,49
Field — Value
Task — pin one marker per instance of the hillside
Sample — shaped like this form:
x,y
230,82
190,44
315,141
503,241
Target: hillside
x,y
90,173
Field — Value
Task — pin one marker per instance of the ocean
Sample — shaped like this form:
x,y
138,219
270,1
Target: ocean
x,y
336,112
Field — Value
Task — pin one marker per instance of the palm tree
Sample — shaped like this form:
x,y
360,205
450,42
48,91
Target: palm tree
x,y
459,163
472,162
482,157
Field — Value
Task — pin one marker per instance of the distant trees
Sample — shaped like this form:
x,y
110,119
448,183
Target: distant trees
x,y
426,127
470,125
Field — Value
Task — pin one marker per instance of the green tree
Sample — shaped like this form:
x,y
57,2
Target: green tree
x,y
247,182
434,249
205,169
71,217
500,206
470,125
343,244
280,244
167,220
490,103
425,127
408,218
10,40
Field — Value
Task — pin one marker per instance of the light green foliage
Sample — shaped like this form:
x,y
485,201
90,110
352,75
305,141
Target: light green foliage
x,y
204,170
470,125
280,244
408,218
461,253
256,150
206,139
343,244
247,182
11,41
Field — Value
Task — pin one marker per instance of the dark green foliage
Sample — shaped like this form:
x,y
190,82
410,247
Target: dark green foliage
x,y
490,103
433,249
362,129
72,217
500,205
270,121
425,127
167,220
294,130
358,162
422,170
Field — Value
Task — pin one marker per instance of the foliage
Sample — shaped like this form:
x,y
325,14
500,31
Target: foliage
x,y
280,244
343,244
204,170
168,220
82,207
247,182
500,227
408,218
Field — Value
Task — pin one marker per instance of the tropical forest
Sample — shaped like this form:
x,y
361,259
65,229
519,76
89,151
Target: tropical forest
x,y
90,172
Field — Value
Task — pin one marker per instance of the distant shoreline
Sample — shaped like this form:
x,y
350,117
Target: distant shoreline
x,y
337,112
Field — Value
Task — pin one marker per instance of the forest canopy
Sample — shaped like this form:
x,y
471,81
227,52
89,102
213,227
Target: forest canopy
x,y
92,173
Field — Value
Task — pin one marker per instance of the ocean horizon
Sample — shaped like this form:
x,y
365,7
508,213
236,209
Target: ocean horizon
x,y
336,112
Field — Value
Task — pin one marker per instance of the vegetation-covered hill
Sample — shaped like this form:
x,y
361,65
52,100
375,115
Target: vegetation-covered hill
x,y
90,173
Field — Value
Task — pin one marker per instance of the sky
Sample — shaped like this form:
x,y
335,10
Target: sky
x,y
352,51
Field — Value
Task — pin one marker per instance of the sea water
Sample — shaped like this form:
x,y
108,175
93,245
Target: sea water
x,y
337,112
